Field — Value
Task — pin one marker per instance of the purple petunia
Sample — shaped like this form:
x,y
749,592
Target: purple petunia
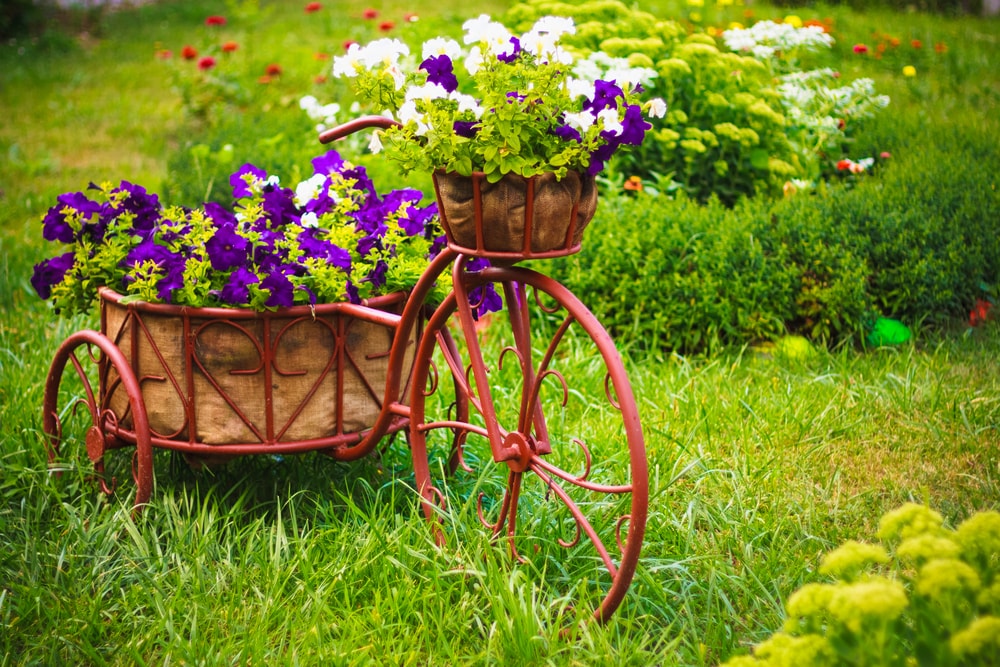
x,y
634,126
440,70
328,163
239,180
509,58
226,248
568,133
281,289
466,128
49,272
606,94
237,289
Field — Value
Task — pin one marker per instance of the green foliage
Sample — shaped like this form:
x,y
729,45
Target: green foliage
x,y
941,6
934,603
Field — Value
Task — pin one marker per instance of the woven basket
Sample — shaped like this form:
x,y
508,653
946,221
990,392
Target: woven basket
x,y
238,377
515,217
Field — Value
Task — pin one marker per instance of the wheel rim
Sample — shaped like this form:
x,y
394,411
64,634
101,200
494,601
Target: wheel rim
x,y
551,452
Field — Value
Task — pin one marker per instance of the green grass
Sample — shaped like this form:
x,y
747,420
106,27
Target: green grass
x,y
758,463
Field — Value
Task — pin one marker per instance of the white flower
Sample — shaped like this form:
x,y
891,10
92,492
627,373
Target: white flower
x,y
375,143
309,219
610,121
426,92
631,76
408,112
441,46
582,120
385,52
485,31
580,88
308,189
348,64
657,108
466,103
557,26
474,61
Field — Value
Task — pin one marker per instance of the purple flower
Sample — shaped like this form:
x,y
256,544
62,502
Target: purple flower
x,y
600,156
514,95
279,205
237,289
240,187
328,251
606,94
514,53
634,126
150,251
352,293
55,227
440,71
466,128
328,163
172,279
568,133
219,214
50,272
415,220
226,248
145,207
281,289
377,275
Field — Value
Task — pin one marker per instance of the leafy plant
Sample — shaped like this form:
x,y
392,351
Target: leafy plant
x,y
331,239
931,598
528,106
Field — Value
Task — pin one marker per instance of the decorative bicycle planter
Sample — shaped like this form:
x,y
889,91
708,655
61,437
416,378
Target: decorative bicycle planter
x,y
558,449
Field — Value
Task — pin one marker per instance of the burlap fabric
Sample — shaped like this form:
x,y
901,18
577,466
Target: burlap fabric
x,y
327,374
559,213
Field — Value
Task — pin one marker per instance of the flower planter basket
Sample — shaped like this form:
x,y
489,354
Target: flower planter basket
x,y
294,379
516,217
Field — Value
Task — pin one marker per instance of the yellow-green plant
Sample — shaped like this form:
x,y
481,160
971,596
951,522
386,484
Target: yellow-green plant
x,y
927,595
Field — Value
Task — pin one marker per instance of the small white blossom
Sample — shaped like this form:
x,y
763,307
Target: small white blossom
x,y
308,189
466,103
610,121
441,46
375,143
582,120
657,108
474,61
426,92
309,219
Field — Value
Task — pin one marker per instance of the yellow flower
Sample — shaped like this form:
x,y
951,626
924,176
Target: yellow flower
x,y
735,26
909,70
696,3
793,21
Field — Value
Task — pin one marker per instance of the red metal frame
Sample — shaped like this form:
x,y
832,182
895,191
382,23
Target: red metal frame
x,y
520,447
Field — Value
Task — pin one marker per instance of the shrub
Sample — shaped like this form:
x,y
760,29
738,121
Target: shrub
x,y
928,595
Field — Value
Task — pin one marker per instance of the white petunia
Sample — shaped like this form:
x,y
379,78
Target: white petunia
x,y
441,46
308,189
309,219
466,103
582,120
426,92
657,108
375,143
610,121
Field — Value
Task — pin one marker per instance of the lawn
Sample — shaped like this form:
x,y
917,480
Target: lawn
x,y
759,461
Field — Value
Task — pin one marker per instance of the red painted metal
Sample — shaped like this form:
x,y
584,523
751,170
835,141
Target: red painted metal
x,y
528,445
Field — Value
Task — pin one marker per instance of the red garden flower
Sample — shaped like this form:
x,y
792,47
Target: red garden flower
x,y
940,47
369,13
348,43
386,26
844,165
917,44
860,49
411,18
980,313
313,7
319,55
206,63
273,70
229,47
164,54
215,20
189,52
633,183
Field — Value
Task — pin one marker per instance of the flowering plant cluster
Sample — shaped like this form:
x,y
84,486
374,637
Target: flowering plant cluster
x,y
936,602
333,238
502,103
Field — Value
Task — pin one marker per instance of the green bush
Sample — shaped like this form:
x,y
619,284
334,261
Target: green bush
x,y
934,601
941,6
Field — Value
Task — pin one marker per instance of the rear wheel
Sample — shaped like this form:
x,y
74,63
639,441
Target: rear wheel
x,y
78,420
535,403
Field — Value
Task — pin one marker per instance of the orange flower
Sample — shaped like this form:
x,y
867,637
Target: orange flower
x,y
633,183
917,44
264,80
319,55
189,52
940,47
229,47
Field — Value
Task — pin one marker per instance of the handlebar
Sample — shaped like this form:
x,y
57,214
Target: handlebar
x,y
355,125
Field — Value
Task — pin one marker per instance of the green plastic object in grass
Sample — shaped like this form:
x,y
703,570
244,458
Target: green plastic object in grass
x,y
887,331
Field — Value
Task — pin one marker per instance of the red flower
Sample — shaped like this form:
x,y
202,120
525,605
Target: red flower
x,y
980,313
321,78
841,123
917,44
844,165
164,54
348,44
860,49
885,155
215,20
386,26
313,7
189,52
369,13
940,47
229,47
411,18
206,63
319,55
633,183
273,70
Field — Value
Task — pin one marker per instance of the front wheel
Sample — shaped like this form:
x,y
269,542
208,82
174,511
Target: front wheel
x,y
535,402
